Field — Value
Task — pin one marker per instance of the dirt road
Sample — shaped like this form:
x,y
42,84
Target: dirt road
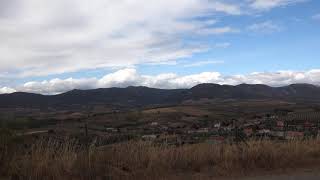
x,y
33,132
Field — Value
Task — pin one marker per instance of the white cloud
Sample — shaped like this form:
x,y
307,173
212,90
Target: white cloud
x,y
202,63
227,8
265,27
130,77
6,90
56,86
222,45
39,37
279,78
316,17
217,31
269,4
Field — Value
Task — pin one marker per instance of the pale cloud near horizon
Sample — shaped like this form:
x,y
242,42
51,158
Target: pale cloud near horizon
x,y
6,90
131,77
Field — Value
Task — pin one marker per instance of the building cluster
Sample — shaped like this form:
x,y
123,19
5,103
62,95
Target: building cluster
x,y
284,127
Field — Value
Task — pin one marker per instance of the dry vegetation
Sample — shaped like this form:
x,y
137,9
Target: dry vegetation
x,y
50,159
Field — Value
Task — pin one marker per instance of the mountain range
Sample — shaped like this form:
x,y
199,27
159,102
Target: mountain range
x,y
141,96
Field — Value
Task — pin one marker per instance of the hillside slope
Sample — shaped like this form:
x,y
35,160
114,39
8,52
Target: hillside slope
x,y
140,96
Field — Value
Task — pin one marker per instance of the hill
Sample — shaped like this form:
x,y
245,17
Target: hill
x,y
141,96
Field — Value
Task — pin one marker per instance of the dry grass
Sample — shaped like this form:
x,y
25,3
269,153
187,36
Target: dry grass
x,y
141,160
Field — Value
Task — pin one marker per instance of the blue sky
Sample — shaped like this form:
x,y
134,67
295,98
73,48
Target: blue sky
x,y
52,47
294,47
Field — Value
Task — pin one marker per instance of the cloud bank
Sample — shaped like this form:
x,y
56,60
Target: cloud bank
x,y
52,37
130,77
42,37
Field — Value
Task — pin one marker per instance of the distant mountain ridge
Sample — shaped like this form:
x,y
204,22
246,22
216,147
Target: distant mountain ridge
x,y
140,96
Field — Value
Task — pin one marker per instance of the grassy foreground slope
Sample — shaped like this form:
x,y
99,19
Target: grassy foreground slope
x,y
50,159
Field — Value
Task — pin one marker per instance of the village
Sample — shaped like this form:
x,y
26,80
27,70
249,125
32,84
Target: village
x,y
295,126
175,125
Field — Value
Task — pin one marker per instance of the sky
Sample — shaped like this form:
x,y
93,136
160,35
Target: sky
x,y
50,47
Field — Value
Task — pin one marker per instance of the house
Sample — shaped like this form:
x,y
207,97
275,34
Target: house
x,y
291,135
264,132
217,125
203,130
111,130
248,131
191,131
150,137
307,124
250,124
154,124
164,128
198,131
280,124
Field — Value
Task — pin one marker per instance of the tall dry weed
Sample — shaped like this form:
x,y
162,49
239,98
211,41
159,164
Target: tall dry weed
x,y
143,160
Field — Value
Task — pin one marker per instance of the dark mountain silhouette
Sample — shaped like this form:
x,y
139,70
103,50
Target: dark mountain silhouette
x,y
140,96
293,92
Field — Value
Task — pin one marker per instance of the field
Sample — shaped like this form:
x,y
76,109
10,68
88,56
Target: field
x,y
100,117
51,159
